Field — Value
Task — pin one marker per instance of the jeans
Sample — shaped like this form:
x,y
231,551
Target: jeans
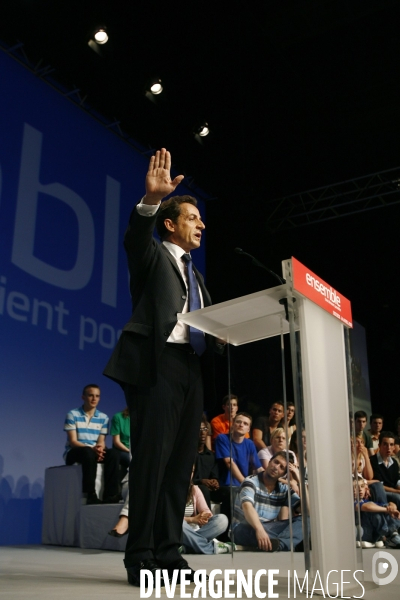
x,y
245,535
375,525
200,541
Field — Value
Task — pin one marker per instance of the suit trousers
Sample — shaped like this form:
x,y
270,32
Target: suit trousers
x,y
165,421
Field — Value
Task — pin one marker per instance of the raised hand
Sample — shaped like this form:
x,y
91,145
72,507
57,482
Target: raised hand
x,y
158,179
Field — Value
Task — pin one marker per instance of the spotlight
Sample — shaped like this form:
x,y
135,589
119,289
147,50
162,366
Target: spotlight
x,y
156,87
203,130
101,36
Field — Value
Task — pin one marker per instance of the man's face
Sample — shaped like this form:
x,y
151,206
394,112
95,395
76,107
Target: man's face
x,y
386,447
91,398
276,467
203,433
360,423
276,412
241,425
376,425
186,231
231,408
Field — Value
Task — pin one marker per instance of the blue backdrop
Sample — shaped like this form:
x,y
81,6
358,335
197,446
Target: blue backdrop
x,y
67,187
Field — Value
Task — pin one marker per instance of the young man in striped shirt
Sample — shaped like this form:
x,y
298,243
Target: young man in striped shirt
x,y
86,429
258,504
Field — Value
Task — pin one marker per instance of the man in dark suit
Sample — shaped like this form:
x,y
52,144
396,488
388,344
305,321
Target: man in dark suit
x,y
159,369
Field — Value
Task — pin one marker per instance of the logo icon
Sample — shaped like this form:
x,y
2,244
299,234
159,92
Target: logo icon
x,y
381,561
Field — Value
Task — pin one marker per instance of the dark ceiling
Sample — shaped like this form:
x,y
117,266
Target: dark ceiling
x,y
297,95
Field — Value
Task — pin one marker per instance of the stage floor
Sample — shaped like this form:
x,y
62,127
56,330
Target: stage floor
x,y
59,573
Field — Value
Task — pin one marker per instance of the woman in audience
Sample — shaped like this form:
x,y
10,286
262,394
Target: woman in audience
x,y
201,528
361,463
278,443
290,420
120,431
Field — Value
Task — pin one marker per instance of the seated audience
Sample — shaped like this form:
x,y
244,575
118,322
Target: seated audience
x,y
376,426
206,472
201,528
377,520
278,443
360,421
244,454
86,429
223,423
386,469
120,431
264,426
258,504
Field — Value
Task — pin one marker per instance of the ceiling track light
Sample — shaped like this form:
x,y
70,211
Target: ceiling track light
x,y
100,36
156,86
201,131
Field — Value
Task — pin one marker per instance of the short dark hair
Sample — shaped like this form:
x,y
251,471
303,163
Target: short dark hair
x,y
281,453
171,209
397,441
226,399
385,434
280,402
89,385
375,416
360,414
244,414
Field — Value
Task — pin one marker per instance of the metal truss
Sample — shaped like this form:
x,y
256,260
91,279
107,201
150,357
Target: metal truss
x,y
377,190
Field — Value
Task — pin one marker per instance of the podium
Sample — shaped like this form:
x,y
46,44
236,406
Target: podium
x,y
316,318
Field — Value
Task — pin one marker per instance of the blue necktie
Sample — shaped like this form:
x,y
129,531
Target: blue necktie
x,y
196,337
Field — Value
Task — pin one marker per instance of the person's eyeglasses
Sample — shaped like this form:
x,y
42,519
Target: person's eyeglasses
x,y
203,428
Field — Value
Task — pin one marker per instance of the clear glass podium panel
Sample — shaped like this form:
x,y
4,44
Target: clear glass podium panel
x,y
280,353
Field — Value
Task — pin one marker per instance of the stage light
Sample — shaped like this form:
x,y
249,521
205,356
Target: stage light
x,y
156,87
203,130
101,36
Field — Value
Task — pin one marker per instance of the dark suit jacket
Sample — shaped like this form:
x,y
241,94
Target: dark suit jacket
x,y
158,294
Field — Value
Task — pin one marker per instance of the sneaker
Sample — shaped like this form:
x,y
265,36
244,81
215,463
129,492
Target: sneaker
x,y
367,545
223,547
275,545
380,544
393,541
358,544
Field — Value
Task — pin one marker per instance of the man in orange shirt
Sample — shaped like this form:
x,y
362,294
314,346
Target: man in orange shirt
x,y
222,423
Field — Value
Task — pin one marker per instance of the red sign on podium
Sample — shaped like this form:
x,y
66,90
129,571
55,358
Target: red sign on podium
x,y
316,289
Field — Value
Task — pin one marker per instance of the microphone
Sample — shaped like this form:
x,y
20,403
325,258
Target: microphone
x,y
257,263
